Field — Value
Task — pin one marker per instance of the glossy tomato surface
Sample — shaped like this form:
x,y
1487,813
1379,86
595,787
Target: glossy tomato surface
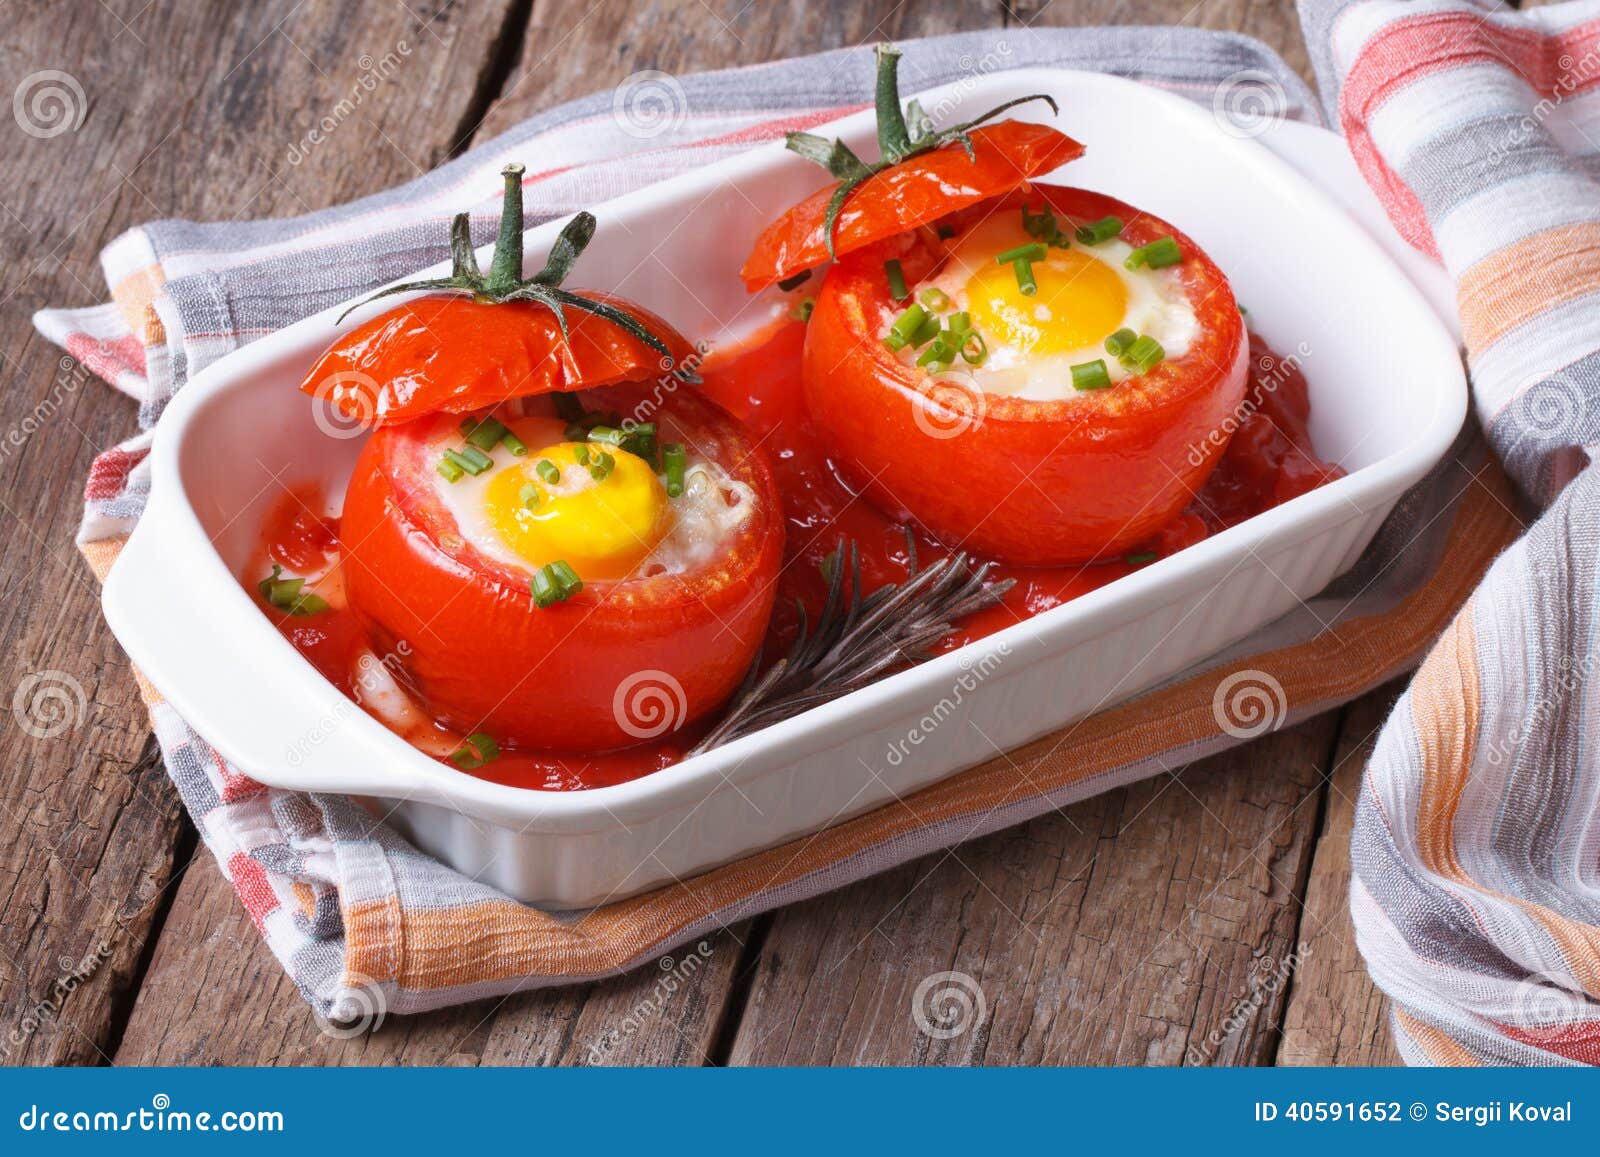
x,y
448,353
912,193
620,662
1033,483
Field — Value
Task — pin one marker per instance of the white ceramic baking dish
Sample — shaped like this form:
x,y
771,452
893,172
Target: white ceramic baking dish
x,y
1388,395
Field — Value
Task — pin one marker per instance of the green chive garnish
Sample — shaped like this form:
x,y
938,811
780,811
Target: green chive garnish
x,y
1157,255
960,321
600,469
673,460
1143,355
1033,251
308,604
529,495
1091,375
1097,231
926,332
469,460
1118,342
802,309
516,445
897,280
545,591
451,472
1025,282
548,470
475,751
1141,558
287,594
934,299
582,454
468,424
566,578
796,281
939,355
974,350
905,327
486,434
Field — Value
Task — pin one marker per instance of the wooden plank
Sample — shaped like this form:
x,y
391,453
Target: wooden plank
x,y
1336,1015
1151,925
183,114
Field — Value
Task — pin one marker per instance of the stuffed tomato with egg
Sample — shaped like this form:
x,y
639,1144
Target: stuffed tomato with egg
x,y
1040,375
545,514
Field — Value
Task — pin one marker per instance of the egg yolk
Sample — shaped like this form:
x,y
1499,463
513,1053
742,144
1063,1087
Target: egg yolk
x,y
602,527
1080,301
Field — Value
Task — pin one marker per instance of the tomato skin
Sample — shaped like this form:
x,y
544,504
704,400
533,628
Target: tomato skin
x,y
482,657
1033,483
915,192
449,353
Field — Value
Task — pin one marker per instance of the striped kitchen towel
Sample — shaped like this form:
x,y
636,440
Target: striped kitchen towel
x,y
364,923
1476,850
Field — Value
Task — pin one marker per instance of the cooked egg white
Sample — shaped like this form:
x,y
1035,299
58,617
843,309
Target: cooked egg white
x,y
1084,295
618,526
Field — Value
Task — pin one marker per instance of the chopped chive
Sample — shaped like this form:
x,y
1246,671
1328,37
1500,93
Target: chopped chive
x,y
475,751
566,578
904,327
307,604
468,424
1143,355
1033,251
600,469
938,355
581,454
673,460
932,298
926,332
451,472
476,461
1025,282
486,434
974,350
610,435
548,470
568,408
801,311
516,445
529,494
1141,558
1118,342
265,585
545,591
1158,254
282,592
796,281
1091,375
1041,224
1243,312
897,280
1097,231
960,321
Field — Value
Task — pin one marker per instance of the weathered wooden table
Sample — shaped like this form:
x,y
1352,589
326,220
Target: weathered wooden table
x,y
1197,918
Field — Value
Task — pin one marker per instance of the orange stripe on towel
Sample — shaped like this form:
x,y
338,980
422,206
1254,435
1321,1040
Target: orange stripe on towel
x,y
1529,277
1440,1049
1444,709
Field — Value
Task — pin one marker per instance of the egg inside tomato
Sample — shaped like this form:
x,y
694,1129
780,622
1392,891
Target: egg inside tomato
x,y
673,536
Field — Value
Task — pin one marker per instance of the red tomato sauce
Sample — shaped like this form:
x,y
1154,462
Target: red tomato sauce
x,y
1269,460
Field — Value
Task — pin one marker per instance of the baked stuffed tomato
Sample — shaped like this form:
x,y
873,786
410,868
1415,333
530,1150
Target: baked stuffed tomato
x,y
545,514
1037,374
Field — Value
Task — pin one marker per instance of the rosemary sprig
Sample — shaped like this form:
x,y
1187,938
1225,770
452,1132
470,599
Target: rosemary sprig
x,y
902,134
858,639
504,281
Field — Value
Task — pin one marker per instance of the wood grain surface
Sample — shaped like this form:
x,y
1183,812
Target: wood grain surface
x,y
1197,918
